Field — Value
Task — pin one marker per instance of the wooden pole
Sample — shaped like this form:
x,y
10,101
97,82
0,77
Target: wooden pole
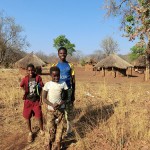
x,y
115,73
103,71
131,71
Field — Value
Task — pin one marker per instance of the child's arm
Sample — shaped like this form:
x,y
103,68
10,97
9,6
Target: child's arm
x,y
73,88
22,84
45,99
41,102
61,102
73,83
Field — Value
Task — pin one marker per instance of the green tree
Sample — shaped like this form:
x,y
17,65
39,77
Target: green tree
x,y
137,51
134,14
63,41
135,21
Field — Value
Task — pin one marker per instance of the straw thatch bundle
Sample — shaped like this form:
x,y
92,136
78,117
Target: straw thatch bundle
x,y
30,58
113,61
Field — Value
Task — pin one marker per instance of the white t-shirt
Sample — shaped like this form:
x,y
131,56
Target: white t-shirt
x,y
54,90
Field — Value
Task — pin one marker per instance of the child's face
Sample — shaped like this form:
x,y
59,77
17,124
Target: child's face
x,y
55,76
30,71
62,55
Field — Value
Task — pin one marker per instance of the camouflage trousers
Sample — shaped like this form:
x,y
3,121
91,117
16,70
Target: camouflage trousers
x,y
54,126
69,106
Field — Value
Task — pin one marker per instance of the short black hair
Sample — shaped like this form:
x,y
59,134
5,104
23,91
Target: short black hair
x,y
54,68
62,48
30,65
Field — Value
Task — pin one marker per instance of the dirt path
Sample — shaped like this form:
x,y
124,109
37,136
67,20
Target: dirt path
x,y
14,142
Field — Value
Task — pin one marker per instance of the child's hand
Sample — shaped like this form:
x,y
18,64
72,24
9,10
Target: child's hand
x,y
55,106
41,103
61,102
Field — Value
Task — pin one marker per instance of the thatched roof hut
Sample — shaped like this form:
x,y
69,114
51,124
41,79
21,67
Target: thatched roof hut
x,y
90,61
30,58
139,62
89,64
113,63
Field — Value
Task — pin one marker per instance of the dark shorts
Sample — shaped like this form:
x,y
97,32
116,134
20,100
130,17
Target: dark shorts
x,y
31,107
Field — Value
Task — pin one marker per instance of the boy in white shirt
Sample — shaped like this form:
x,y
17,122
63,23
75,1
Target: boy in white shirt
x,y
54,92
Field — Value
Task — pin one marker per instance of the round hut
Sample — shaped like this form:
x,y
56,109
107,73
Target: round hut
x,y
113,64
139,64
31,58
89,64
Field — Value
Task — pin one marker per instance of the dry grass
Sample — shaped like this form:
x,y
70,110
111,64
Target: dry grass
x,y
108,116
117,117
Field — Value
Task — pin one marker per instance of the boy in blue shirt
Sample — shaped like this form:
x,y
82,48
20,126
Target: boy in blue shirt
x,y
67,74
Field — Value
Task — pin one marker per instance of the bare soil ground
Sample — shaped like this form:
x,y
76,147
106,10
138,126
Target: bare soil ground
x,y
93,91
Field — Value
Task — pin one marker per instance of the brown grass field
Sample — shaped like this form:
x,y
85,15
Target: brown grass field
x,y
109,113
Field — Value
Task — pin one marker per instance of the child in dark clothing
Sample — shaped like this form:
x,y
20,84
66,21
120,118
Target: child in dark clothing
x,y
67,74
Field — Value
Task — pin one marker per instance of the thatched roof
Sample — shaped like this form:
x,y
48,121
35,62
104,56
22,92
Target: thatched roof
x,y
139,62
30,58
113,61
90,61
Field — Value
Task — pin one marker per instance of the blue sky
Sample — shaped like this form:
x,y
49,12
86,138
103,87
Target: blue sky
x,y
81,21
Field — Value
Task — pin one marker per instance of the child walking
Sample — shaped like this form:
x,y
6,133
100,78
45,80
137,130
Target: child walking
x,y
53,95
67,74
32,85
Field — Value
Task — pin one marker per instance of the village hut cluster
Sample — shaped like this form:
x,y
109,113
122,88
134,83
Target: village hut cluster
x,y
116,66
111,65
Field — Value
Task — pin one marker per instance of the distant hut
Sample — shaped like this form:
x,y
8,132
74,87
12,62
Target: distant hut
x,y
89,64
30,58
113,64
139,64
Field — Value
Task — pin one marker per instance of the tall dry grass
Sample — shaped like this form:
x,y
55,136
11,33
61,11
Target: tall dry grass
x,y
106,116
10,100
117,117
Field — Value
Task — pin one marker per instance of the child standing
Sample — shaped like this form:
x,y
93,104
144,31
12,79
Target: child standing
x,y
32,85
67,74
52,96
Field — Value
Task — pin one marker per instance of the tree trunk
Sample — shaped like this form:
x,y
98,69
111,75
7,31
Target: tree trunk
x,y
147,73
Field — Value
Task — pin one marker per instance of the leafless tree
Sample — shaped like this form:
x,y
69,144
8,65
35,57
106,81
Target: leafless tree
x,y
10,36
109,46
97,55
